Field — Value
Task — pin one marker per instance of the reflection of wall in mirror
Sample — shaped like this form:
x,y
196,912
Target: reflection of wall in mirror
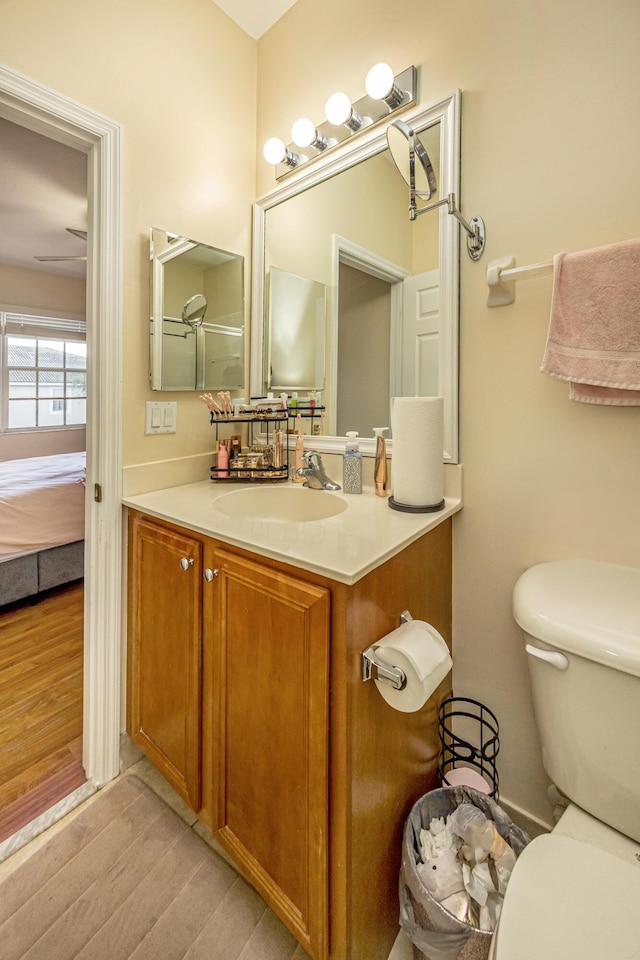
x,y
366,204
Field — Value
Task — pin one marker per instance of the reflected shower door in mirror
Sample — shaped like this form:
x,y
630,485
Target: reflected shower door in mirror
x,y
392,285
295,324
197,306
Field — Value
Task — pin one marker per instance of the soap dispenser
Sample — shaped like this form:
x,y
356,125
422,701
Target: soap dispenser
x,y
352,465
380,475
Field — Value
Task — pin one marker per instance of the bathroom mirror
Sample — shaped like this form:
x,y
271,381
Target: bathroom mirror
x,y
197,315
391,322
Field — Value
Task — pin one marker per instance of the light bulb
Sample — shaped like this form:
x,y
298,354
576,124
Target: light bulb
x,y
338,108
379,81
274,150
380,85
303,132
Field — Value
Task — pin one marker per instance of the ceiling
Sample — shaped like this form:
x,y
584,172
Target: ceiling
x,y
43,190
255,16
43,184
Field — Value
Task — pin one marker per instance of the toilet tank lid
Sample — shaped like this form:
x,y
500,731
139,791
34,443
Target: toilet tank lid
x,y
585,607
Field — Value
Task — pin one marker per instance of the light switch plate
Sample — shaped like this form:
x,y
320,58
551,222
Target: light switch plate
x,y
160,416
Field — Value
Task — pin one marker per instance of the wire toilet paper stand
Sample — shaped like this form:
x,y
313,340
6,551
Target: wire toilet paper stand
x,y
469,739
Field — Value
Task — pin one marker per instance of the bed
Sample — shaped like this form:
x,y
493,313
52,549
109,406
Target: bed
x,y
42,505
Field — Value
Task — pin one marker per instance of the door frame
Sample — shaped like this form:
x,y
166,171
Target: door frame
x,y
39,108
351,254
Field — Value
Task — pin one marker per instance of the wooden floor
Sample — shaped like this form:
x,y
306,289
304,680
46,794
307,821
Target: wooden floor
x,y
41,656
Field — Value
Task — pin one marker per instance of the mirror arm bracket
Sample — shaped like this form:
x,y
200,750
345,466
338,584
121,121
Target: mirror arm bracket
x,y
476,233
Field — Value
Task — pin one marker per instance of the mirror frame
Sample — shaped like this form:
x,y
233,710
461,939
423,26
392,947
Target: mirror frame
x,y
372,141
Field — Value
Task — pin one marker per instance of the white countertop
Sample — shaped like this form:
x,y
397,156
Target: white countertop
x,y
344,547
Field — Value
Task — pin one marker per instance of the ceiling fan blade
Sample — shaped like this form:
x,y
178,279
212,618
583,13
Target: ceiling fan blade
x,y
81,234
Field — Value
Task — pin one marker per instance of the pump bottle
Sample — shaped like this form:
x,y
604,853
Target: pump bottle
x,y
380,474
352,465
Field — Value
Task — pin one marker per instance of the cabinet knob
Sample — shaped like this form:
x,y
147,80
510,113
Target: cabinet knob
x,y
185,564
209,574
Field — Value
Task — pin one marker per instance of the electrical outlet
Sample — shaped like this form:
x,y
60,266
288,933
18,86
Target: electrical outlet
x,y
160,416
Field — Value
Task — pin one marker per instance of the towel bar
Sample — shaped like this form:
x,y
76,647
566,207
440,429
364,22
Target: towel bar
x,y
501,277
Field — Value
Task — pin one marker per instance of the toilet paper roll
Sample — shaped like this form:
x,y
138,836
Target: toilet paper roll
x,y
420,651
417,475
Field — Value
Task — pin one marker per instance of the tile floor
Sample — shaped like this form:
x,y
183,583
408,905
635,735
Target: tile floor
x,y
132,762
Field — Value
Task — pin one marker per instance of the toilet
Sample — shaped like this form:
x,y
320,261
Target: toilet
x,y
575,892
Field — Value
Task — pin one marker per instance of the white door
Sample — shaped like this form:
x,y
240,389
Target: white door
x,y
420,334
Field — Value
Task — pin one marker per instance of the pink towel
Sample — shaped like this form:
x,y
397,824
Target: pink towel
x,y
594,333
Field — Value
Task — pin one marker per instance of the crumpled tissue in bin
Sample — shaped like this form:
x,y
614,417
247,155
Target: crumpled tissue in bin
x,y
473,852
482,844
466,865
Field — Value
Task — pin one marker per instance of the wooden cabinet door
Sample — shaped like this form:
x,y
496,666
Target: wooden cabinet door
x,y
165,648
269,686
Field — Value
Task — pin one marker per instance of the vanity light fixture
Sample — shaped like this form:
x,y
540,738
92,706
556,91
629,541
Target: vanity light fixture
x,y
305,134
385,94
275,152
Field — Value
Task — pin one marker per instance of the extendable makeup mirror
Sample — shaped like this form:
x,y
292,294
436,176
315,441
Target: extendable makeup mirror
x,y
422,174
416,169
194,310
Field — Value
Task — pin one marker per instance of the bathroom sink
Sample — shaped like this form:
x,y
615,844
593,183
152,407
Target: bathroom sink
x,y
284,505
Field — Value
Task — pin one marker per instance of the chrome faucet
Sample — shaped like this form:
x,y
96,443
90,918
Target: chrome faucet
x,y
316,478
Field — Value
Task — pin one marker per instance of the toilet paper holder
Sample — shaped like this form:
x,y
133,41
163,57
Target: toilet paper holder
x,y
374,669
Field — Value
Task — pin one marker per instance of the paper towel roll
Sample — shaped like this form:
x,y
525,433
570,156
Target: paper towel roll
x,y
420,651
416,461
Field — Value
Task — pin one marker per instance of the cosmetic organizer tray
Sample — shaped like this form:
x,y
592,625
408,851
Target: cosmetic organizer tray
x,y
267,473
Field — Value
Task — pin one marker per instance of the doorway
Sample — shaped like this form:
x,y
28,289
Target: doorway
x,y
364,336
31,105
43,199
360,273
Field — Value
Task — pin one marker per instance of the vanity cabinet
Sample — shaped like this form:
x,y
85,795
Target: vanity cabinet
x,y
307,774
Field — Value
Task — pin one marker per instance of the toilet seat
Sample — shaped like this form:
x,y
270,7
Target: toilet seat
x,y
569,899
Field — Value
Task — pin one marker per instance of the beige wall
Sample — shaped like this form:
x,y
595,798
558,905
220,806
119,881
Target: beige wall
x,y
41,291
550,146
181,79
